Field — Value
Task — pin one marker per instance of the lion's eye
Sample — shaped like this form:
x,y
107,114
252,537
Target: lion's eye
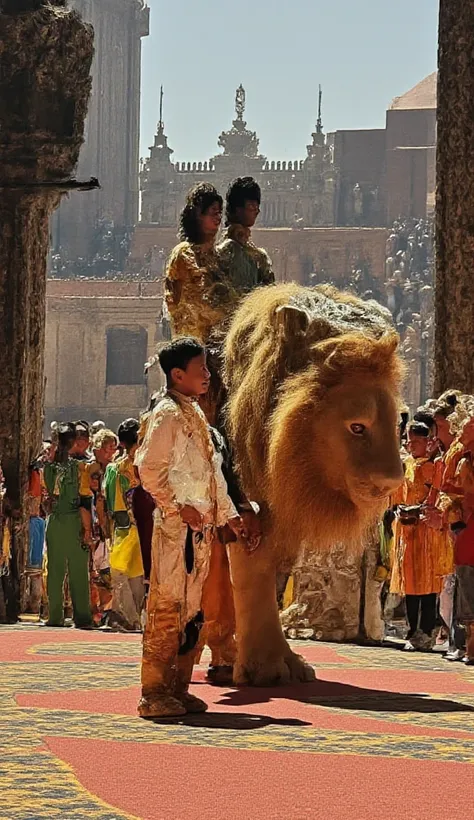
x,y
358,429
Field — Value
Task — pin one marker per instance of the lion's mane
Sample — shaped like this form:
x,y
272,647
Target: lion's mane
x,y
286,346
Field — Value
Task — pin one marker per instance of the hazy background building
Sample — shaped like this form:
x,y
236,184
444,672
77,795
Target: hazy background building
x,y
85,227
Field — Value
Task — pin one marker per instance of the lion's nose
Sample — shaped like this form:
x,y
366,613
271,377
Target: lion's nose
x,y
388,480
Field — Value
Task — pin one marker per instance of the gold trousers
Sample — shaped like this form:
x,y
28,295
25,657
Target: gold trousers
x,y
174,600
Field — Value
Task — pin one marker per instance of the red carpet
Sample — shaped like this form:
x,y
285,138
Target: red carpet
x,y
182,782
380,733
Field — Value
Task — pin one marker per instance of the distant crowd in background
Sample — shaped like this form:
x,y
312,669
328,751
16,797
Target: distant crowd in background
x,y
409,270
407,290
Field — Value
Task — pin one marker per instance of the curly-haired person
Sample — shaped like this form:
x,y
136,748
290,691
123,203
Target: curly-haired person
x,y
197,295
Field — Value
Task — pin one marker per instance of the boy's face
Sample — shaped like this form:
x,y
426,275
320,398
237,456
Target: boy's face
x,y
194,381
105,454
81,444
443,431
417,445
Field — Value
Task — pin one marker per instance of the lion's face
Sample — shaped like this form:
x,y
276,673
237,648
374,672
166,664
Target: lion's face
x,y
333,455
356,443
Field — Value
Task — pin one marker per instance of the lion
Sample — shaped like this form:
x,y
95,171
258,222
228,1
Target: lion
x,y
313,377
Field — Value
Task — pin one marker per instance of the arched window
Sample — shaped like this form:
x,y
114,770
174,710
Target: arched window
x,y
126,355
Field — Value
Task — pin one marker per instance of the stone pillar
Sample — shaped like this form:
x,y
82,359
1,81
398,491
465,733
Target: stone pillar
x,y
454,334
44,90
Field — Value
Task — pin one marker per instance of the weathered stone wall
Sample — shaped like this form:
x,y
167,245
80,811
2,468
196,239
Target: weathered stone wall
x,y
337,595
327,592
359,156
78,317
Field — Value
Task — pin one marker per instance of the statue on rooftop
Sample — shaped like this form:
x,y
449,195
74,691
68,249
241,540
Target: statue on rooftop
x,y
240,102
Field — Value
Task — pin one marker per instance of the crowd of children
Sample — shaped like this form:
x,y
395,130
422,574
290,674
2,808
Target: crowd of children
x,y
430,527
86,559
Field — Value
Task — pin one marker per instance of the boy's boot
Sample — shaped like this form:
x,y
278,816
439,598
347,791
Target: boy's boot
x,y
160,644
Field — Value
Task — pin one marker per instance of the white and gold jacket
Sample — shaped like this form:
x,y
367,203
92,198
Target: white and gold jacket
x,y
178,463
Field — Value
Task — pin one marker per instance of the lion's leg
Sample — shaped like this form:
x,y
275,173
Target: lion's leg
x,y
263,655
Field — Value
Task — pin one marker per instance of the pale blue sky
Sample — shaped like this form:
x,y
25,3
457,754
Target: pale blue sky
x,y
363,52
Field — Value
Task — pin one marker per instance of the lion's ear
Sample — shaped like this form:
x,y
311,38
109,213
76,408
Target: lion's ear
x,y
389,342
291,320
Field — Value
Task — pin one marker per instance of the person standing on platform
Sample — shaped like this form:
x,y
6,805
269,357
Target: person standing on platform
x,y
246,267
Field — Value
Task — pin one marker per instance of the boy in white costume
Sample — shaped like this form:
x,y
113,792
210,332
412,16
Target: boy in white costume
x,y
180,468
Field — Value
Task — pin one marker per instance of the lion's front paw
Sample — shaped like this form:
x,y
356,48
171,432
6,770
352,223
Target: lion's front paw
x,y
280,671
300,671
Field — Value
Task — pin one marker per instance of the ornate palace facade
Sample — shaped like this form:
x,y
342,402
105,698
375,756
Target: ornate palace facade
x,y
300,192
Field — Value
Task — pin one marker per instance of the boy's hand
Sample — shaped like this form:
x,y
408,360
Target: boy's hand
x,y
238,527
252,525
433,517
191,517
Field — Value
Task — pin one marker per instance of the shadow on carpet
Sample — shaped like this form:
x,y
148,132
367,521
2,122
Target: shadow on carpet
x,y
344,696
224,720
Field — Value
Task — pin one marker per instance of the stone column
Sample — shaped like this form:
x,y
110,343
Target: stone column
x,y
44,90
454,334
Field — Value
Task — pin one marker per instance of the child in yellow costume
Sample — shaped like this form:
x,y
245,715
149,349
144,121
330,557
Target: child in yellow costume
x,y
125,558
198,296
179,467
416,572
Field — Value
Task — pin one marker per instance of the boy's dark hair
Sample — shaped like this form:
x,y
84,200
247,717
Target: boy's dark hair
x,y
82,429
416,428
66,435
424,417
198,201
240,191
179,353
127,432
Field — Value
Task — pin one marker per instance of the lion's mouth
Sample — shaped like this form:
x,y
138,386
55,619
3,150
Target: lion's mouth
x,y
369,493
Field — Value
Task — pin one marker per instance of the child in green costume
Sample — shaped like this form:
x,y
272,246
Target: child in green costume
x,y
63,535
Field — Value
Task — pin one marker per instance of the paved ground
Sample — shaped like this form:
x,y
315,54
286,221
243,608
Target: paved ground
x,y
379,734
